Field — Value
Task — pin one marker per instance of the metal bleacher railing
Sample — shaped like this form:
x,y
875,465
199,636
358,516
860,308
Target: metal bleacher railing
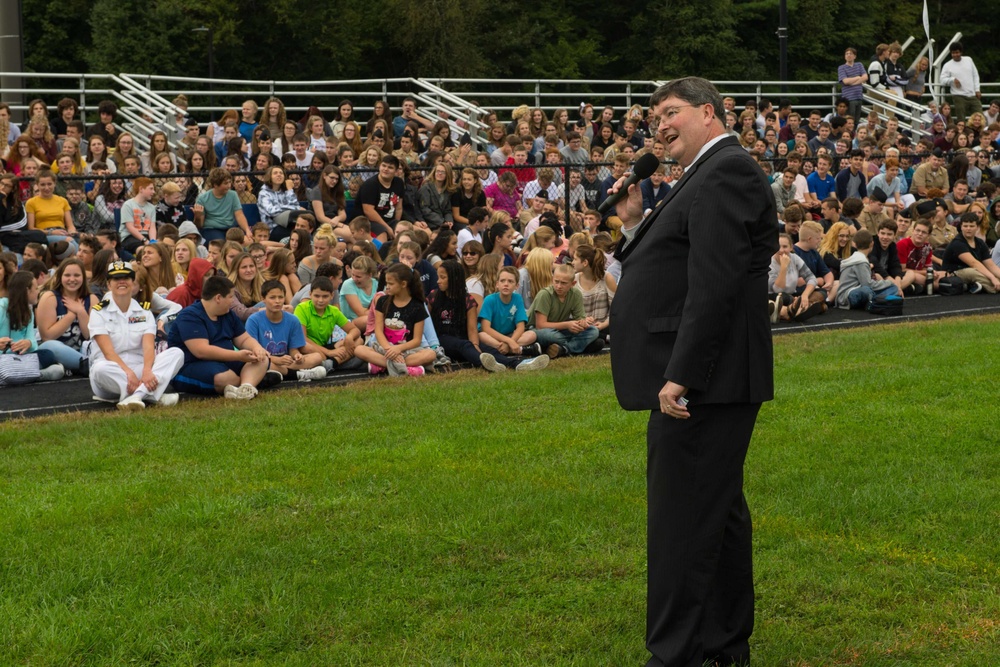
x,y
324,94
144,100
140,111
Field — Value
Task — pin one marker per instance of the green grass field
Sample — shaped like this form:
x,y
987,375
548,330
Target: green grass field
x,y
472,520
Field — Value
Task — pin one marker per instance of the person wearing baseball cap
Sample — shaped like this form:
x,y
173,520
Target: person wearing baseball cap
x,y
124,367
935,212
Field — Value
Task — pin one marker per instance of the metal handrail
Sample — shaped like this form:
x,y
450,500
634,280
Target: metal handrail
x,y
381,89
879,101
80,91
449,94
162,109
459,107
432,96
159,77
628,89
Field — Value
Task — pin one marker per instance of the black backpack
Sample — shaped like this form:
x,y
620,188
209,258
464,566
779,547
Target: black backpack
x,y
951,286
886,305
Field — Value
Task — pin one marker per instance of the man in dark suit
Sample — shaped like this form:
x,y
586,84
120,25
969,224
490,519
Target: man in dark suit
x,y
692,344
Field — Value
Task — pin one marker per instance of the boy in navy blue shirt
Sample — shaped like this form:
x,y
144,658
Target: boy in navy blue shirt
x,y
208,331
810,237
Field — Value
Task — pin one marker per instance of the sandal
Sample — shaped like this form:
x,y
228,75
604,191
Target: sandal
x,y
791,310
809,313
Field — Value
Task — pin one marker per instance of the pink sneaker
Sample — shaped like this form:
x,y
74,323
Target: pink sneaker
x,y
376,370
415,371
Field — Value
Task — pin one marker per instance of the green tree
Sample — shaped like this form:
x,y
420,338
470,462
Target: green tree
x,y
686,37
56,35
309,40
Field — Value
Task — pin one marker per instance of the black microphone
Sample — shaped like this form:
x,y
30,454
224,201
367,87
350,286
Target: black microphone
x,y
641,170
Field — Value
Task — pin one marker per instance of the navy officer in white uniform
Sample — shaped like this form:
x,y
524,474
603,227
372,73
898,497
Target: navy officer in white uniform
x,y
124,366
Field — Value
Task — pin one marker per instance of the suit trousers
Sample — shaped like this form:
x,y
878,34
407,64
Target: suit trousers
x,y
700,576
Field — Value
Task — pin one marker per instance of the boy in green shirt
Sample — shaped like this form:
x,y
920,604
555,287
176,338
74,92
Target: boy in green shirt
x,y
328,331
559,320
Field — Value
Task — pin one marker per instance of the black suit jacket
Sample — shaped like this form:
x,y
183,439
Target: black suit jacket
x,y
691,306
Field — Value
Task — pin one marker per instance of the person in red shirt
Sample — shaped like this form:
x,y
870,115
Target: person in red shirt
x,y
915,256
525,174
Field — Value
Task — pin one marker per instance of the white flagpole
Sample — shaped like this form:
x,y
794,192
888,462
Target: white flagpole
x,y
930,50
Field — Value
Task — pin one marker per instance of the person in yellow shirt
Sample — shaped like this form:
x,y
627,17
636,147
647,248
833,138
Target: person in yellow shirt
x,y
50,213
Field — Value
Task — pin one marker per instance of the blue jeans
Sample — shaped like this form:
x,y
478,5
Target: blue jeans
x,y
430,337
576,343
860,297
64,354
214,234
45,358
55,238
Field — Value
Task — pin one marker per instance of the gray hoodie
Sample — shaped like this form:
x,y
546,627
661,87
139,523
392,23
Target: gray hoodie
x,y
855,272
188,227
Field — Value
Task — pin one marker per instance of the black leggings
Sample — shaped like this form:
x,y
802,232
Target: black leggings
x,y
17,240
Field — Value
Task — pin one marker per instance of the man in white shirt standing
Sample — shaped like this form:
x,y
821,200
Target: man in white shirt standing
x,y
962,77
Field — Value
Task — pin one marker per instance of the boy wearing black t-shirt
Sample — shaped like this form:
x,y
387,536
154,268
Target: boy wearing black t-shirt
x,y
381,198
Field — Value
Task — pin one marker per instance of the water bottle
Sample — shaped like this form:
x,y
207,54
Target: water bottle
x,y
930,281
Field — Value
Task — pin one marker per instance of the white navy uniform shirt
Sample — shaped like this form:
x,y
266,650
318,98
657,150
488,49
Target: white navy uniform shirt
x,y
125,330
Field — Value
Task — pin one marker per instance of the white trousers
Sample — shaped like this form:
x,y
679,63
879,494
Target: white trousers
x,y
108,380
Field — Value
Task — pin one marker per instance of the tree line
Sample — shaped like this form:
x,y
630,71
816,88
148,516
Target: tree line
x,y
344,39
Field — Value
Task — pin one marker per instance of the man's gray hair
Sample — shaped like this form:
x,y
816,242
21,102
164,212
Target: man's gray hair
x,y
693,90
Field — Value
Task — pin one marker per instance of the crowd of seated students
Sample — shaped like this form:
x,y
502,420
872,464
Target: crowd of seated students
x,y
229,305
266,247
868,207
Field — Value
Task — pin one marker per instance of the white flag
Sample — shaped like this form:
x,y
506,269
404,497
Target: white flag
x,y
927,21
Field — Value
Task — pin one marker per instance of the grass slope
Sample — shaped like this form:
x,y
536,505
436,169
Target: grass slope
x,y
468,519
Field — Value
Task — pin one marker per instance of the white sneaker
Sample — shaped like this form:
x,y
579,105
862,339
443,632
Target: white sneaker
x,y
491,364
536,364
167,400
53,372
240,393
130,403
317,373
104,400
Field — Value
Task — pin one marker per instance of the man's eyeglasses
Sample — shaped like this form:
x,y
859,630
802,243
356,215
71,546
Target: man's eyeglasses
x,y
670,112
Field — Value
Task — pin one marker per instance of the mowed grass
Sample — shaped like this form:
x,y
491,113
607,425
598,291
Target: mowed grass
x,y
471,519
